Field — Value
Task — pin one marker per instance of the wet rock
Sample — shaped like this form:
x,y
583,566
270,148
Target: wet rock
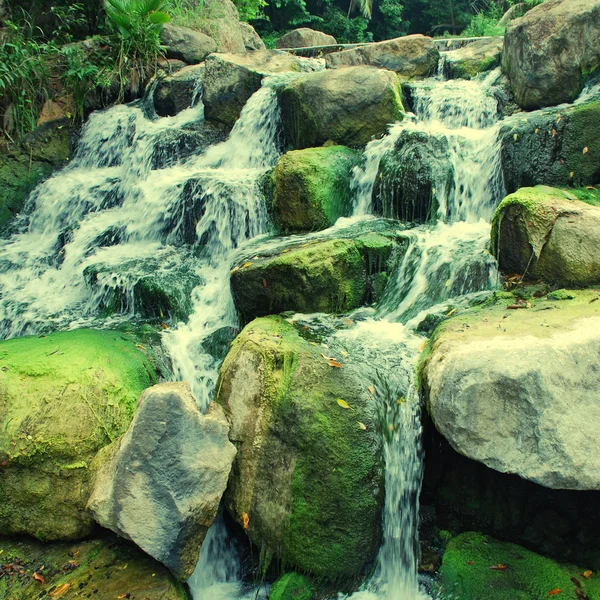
x,y
231,79
344,106
304,37
186,44
312,188
177,92
103,569
513,388
550,52
63,397
548,234
252,41
557,147
413,178
161,483
411,57
478,57
305,473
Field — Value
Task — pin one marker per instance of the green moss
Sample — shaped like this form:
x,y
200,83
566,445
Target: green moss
x,y
561,295
468,571
292,586
312,188
588,194
103,569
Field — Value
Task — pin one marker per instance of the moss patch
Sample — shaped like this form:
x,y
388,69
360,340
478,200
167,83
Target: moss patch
x,y
292,586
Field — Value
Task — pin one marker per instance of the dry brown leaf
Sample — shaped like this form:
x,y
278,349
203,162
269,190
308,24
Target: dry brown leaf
x,y
362,426
587,574
334,363
586,150
246,265
164,326
60,590
499,567
371,389
343,403
554,592
38,577
246,520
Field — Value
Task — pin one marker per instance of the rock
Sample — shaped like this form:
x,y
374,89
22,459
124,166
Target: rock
x,y
558,147
411,56
177,92
413,177
231,79
312,188
252,41
306,475
24,165
304,37
550,52
513,389
292,586
222,24
103,568
186,44
480,56
171,65
161,483
476,566
63,397
548,234
345,106
331,275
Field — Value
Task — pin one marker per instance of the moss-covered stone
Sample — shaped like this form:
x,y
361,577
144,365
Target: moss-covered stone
x,y
103,569
557,147
24,165
312,188
307,480
476,566
62,398
292,586
474,58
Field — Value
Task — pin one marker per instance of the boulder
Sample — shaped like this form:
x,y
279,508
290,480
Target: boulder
x,y
186,44
311,188
292,586
556,147
413,177
550,52
231,79
411,56
328,275
548,234
103,569
345,106
177,92
307,483
476,566
63,397
161,483
304,37
514,389
252,41
475,58
222,23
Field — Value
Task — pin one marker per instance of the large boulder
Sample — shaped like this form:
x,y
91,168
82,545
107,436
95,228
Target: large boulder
x,y
304,37
345,106
514,389
411,57
252,41
548,234
311,188
177,92
231,79
413,177
103,569
307,481
478,57
161,483
330,275
186,44
550,52
222,23
556,147
476,566
63,397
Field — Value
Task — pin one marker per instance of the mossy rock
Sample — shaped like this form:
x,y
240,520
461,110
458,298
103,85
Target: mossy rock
x,y
103,569
292,586
327,275
63,397
474,58
307,482
312,188
476,566
556,147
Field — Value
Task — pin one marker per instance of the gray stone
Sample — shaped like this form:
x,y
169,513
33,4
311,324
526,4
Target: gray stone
x,y
411,57
252,41
550,52
161,483
304,37
176,92
478,57
518,390
186,44
222,24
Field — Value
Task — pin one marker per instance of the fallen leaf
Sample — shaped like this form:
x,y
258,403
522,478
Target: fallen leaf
x,y
591,188
246,520
164,326
38,577
554,592
328,358
449,314
362,426
469,562
537,130
516,137
60,590
558,120
554,133
499,567
422,345
586,150
572,174
343,403
576,582
246,265
587,574
334,363
371,389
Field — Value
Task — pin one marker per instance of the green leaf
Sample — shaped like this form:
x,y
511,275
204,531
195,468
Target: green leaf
x,y
158,18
